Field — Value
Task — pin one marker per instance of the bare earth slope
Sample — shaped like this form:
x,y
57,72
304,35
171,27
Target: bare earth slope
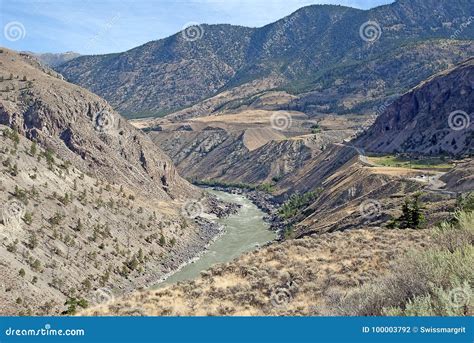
x,y
67,235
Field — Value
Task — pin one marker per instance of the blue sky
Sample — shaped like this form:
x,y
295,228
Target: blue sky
x,y
105,26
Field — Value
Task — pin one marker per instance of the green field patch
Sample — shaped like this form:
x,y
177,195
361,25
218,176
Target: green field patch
x,y
437,163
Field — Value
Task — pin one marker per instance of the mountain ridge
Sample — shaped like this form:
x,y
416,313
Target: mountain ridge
x,y
162,76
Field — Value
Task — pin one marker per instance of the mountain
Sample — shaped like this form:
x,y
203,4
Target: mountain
x,y
434,118
91,208
344,250
82,128
54,59
303,53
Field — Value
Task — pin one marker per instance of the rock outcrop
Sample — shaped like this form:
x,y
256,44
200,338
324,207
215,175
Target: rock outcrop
x,y
434,118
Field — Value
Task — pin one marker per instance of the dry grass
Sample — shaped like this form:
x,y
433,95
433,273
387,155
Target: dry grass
x,y
254,138
291,278
423,282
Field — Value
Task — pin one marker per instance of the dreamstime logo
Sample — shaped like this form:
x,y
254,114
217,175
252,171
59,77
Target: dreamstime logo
x,y
280,297
459,297
103,121
459,120
102,295
192,209
370,31
281,121
370,209
279,34
192,32
12,212
382,108
14,31
283,295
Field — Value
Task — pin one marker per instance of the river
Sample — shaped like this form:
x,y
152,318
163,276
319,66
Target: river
x,y
244,231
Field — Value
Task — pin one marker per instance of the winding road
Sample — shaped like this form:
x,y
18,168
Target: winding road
x,y
432,179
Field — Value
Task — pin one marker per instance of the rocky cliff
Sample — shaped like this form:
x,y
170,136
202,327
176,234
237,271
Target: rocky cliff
x,y
436,117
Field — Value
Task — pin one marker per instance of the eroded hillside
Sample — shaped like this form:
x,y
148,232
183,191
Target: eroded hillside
x,y
250,147
90,206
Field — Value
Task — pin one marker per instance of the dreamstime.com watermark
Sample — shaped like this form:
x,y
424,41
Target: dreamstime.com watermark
x,y
281,296
12,213
192,209
192,31
280,32
459,120
103,121
460,296
370,209
46,331
14,31
102,33
102,295
370,31
281,121
462,27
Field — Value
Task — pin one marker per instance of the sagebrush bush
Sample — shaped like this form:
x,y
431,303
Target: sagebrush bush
x,y
421,282
456,234
441,303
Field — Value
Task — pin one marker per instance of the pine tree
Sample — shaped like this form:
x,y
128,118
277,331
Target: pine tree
x,y
416,215
405,219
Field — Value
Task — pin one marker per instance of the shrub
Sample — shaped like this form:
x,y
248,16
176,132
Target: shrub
x,y
441,303
13,135
457,233
72,305
49,155
28,218
33,149
466,202
421,282
266,187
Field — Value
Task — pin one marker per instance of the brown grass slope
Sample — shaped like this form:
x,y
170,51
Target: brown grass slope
x,y
291,278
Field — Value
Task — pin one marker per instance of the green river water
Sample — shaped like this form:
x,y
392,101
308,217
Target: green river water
x,y
244,231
